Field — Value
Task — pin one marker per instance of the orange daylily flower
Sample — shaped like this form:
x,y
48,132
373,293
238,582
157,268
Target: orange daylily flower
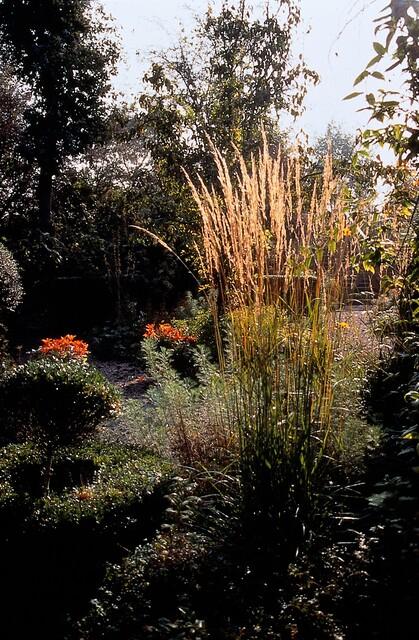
x,y
165,331
65,346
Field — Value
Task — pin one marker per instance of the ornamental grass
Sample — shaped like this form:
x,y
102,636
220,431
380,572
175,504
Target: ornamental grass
x,y
278,263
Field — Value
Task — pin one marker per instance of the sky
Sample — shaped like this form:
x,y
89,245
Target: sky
x,y
335,38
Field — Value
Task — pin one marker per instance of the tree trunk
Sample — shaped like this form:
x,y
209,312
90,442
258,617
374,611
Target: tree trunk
x,y
45,199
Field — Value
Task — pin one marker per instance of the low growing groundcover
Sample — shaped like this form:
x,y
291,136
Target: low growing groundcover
x,y
355,577
104,500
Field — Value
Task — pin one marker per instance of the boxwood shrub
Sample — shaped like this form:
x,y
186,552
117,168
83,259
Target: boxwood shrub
x,y
104,500
90,481
54,401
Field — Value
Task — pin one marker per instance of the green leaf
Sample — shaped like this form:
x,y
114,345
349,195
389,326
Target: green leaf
x,y
370,99
379,48
373,61
378,75
390,36
332,246
389,104
355,94
361,77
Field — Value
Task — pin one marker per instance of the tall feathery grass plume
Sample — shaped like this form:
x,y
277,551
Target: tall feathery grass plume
x,y
280,261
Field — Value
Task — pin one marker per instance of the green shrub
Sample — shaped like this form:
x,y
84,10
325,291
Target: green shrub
x,y
192,420
118,341
194,318
11,293
11,290
149,594
54,401
104,501
390,395
90,481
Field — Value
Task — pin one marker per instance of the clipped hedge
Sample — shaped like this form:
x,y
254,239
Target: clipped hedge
x,y
104,500
54,400
96,481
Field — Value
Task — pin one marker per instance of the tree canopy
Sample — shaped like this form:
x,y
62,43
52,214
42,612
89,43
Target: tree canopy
x,y
63,50
397,111
231,75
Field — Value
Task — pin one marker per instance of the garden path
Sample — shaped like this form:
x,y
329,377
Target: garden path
x,y
127,376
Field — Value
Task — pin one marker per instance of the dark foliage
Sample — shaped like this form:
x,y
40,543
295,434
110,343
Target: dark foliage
x,y
390,396
54,401
11,294
203,579
64,53
105,499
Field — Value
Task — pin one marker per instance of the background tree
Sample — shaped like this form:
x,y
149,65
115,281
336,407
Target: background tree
x,y
397,112
112,166
16,173
11,293
64,51
97,200
233,73
399,115
353,165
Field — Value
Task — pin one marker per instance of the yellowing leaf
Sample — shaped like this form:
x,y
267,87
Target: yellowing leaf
x,y
411,436
368,266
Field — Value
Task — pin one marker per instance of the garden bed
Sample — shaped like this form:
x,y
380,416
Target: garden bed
x,y
104,500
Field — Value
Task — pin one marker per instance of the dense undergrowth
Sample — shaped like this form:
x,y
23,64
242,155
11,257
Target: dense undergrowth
x,y
272,437
104,500
255,476
211,506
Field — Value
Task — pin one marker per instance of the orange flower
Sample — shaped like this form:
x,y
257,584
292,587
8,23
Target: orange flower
x,y
66,346
150,331
347,232
165,331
